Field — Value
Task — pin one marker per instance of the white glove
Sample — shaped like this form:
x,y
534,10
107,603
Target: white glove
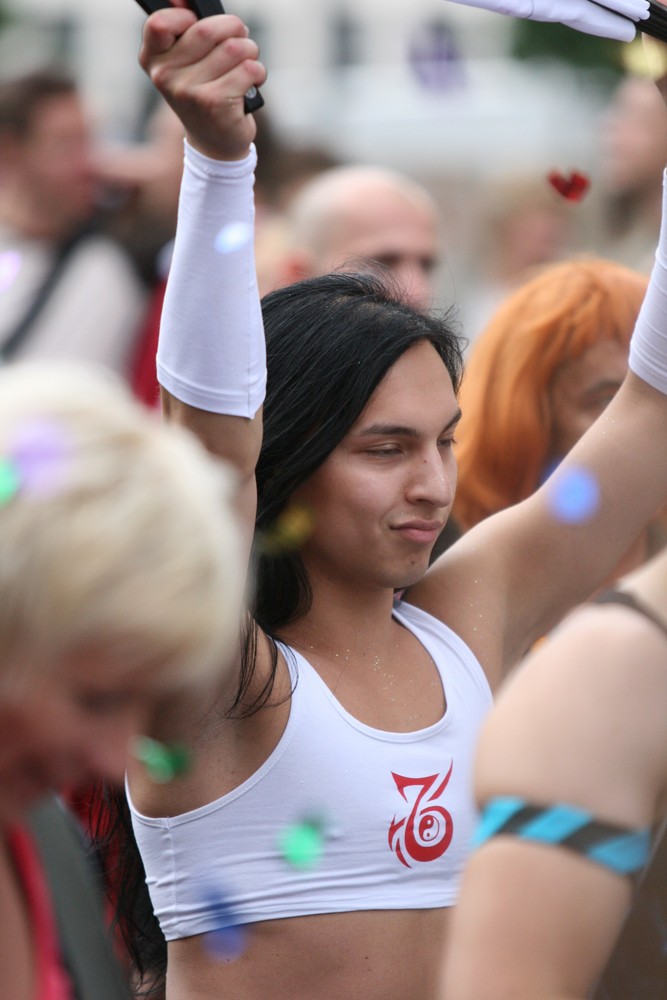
x,y
616,19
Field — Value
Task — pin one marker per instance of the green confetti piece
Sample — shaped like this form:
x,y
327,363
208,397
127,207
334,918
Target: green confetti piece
x,y
163,763
302,845
9,480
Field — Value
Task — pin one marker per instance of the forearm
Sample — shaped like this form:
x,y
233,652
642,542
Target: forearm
x,y
211,353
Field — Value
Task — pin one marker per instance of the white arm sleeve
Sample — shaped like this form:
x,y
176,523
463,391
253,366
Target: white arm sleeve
x,y
606,18
211,351
648,347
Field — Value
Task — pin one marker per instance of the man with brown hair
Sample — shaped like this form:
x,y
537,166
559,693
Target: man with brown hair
x,y
67,291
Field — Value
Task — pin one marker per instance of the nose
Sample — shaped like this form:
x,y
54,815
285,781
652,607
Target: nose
x,y
433,480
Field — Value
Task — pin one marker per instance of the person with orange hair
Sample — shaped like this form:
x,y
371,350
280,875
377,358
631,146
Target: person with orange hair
x,y
546,365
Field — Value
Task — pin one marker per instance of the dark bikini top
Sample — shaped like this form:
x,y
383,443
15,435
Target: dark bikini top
x,y
628,600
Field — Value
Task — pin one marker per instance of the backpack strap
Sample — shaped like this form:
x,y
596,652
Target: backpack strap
x,y
19,334
77,903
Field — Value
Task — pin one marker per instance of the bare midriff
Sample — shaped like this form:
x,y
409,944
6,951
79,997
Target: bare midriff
x,y
374,954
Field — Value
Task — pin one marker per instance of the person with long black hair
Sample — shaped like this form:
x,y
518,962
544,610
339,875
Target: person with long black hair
x,y
352,724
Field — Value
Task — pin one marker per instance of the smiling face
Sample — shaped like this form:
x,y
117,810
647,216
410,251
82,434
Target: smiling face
x,y
383,495
68,725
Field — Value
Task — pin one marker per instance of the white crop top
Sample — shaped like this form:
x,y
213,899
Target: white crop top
x,y
397,810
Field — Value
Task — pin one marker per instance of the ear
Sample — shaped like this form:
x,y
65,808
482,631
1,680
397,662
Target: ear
x,y
278,264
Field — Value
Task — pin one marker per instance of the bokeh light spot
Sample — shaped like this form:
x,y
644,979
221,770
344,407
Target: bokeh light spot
x,y
573,495
290,530
10,265
39,449
9,480
233,237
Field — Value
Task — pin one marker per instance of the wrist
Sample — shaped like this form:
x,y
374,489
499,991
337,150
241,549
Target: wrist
x,y
210,166
648,346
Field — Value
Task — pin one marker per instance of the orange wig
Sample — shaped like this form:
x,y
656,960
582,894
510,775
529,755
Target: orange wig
x,y
504,434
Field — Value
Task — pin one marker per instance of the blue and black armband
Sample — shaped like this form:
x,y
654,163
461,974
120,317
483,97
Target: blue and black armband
x,y
614,847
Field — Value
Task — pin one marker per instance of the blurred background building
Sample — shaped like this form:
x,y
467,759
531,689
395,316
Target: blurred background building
x,y
425,84
457,97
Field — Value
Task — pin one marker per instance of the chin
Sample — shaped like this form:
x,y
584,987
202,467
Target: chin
x,y
410,577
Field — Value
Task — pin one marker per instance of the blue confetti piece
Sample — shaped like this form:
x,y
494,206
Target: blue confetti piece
x,y
573,495
226,944
228,940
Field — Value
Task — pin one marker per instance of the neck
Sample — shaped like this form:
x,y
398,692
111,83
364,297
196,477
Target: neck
x,y
344,623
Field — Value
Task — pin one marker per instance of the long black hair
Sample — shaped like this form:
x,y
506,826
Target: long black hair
x,y
330,342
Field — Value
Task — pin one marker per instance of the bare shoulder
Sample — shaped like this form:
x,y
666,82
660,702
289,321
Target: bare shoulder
x,y
467,588
582,720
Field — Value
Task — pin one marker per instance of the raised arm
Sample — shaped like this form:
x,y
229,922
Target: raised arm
x,y
211,356
532,563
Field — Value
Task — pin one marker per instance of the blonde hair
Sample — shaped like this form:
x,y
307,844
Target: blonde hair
x,y
119,534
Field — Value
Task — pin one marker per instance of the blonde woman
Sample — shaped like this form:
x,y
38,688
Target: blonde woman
x,y
120,582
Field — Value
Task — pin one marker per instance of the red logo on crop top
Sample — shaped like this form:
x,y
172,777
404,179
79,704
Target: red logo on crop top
x,y
427,832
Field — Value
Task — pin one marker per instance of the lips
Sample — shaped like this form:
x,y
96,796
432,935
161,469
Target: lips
x,y
424,532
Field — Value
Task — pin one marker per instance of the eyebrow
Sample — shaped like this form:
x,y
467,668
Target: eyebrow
x,y
400,430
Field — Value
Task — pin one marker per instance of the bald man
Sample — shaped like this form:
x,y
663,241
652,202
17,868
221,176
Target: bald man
x,y
349,216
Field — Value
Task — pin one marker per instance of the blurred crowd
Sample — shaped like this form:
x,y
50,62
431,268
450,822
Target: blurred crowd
x,y
87,225
548,291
